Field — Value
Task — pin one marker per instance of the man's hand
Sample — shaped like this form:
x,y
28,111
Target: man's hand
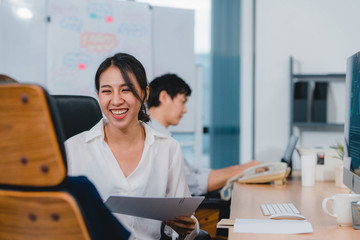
x,y
182,225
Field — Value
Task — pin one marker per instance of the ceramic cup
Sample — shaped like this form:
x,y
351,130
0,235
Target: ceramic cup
x,y
341,207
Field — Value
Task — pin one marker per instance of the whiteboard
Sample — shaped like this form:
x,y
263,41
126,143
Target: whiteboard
x,y
82,34
63,44
173,39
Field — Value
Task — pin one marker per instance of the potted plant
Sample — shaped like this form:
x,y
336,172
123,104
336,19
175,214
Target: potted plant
x,y
339,148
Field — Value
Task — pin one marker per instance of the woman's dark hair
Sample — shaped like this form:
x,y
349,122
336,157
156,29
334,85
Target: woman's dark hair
x,y
127,64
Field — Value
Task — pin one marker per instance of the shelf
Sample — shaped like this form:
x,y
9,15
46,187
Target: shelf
x,y
306,102
336,77
317,125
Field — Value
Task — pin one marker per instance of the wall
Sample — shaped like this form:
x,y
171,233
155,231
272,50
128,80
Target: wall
x,y
320,35
246,85
22,41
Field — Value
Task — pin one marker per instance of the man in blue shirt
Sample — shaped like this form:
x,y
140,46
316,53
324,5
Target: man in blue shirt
x,y
167,104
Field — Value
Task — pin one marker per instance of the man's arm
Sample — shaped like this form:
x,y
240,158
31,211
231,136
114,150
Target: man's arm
x,y
218,177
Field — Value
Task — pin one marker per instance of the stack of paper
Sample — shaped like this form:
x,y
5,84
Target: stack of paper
x,y
158,208
267,226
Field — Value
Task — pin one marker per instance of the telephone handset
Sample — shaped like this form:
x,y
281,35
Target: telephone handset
x,y
263,173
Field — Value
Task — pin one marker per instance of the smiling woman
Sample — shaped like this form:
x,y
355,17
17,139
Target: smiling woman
x,y
126,76
122,155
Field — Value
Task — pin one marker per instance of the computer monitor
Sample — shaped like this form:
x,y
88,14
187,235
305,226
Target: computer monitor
x,y
352,125
287,158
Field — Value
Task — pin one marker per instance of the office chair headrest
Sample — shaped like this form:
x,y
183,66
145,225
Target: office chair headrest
x,y
77,113
32,153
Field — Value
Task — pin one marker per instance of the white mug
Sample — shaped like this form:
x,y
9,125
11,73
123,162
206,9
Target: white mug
x,y
341,208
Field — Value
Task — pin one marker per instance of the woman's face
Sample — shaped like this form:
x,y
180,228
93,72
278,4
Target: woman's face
x,y
117,102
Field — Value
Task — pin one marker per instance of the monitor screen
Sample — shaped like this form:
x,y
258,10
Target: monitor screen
x,y
352,124
289,150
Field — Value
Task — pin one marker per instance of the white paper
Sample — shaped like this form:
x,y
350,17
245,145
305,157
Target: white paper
x,y
153,207
268,226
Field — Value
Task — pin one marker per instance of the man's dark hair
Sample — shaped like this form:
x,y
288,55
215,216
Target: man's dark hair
x,y
171,83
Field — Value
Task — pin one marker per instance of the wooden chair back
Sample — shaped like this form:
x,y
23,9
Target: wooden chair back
x,y
32,166
40,215
29,152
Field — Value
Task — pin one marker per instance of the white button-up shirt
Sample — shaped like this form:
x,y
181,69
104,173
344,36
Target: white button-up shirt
x,y
159,173
197,178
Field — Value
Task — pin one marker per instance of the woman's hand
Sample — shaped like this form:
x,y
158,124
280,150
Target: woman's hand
x,y
182,225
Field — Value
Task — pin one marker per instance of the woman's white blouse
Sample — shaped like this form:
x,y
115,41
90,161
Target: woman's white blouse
x,y
159,173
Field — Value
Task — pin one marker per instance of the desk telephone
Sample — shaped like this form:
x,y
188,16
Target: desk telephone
x,y
269,172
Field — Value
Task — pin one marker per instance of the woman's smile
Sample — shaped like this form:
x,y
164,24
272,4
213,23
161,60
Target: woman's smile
x,y
119,113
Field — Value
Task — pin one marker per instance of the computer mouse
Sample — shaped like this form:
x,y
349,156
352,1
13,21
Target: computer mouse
x,y
288,216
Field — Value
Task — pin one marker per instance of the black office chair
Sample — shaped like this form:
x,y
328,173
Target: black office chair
x,y
37,199
77,113
210,212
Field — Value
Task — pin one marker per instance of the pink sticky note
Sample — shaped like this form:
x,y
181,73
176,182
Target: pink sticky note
x,y
81,66
109,19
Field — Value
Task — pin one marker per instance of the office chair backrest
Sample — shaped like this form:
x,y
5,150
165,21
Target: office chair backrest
x,y
31,157
28,147
37,199
40,215
77,113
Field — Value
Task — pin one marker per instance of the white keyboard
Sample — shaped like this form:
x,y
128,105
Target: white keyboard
x,y
276,208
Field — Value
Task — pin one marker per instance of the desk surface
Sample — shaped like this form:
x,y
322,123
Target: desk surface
x,y
246,200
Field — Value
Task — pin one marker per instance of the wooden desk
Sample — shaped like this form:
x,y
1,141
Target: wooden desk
x,y
246,200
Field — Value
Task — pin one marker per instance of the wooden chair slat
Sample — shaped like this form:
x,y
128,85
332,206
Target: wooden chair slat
x,y
29,153
41,215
